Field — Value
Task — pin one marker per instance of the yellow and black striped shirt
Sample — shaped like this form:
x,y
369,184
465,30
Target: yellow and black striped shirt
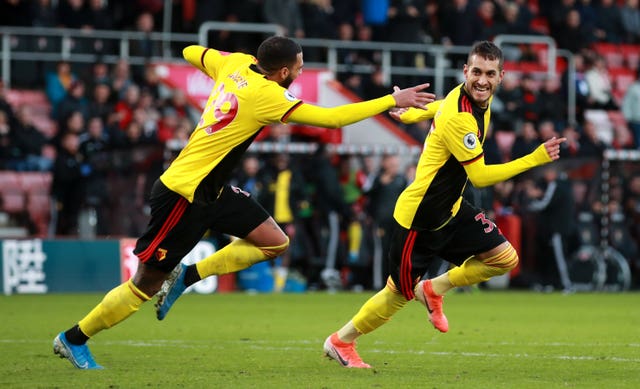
x,y
456,137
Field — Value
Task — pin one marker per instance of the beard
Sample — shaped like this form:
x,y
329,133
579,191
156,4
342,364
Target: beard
x,y
287,82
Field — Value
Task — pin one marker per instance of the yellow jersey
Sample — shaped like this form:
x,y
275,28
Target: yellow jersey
x,y
456,137
241,103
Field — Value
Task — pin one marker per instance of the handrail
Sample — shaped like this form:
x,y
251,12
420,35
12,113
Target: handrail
x,y
500,39
438,75
205,27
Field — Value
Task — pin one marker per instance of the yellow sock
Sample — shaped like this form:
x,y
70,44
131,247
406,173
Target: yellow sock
x,y
235,256
120,303
379,309
355,237
474,271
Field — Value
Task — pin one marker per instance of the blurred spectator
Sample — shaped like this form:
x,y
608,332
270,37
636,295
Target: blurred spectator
x,y
168,125
346,11
121,78
125,107
405,18
319,22
330,206
179,104
15,13
632,205
145,47
4,104
487,16
588,15
547,130
364,33
581,86
95,147
73,14
600,85
101,105
43,14
99,18
349,57
622,137
382,195
375,13
9,153
608,26
74,101
281,194
75,124
553,202
558,12
572,34
57,83
510,99
461,26
526,140
98,74
432,23
631,108
247,178
151,82
68,188
530,98
30,142
285,13
630,14
352,179
517,18
147,113
571,147
98,15
552,104
375,86
591,146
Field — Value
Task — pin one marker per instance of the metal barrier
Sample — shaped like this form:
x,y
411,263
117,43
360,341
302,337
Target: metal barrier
x,y
56,44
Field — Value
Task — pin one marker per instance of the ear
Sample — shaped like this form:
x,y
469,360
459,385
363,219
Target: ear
x,y
284,73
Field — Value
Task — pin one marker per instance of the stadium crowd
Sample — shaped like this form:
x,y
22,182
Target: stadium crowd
x,y
116,127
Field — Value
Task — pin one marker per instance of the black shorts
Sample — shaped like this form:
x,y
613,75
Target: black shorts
x,y
411,251
176,225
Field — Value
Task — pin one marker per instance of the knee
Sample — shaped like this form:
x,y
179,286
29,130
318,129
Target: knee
x,y
505,261
276,250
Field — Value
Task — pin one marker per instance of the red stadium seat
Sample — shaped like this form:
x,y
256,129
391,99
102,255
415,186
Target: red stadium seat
x,y
611,53
39,207
35,182
621,79
9,181
631,54
13,202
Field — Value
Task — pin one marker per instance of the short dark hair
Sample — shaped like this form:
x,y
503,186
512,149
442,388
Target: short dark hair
x,y
276,52
487,50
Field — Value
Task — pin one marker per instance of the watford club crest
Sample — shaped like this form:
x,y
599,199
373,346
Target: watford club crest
x,y
161,254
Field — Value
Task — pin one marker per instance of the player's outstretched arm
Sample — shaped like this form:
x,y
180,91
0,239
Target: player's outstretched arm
x,y
343,115
414,115
413,96
482,175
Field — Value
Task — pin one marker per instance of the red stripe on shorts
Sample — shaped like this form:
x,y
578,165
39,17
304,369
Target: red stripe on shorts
x,y
406,280
172,220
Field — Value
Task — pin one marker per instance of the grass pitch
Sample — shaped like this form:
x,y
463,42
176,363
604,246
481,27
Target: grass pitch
x,y
496,340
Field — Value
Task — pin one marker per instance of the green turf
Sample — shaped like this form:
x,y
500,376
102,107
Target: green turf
x,y
496,340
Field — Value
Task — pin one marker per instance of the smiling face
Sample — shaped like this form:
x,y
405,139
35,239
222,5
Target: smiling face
x,y
482,77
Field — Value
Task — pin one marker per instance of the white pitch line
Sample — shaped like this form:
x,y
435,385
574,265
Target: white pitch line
x,y
298,345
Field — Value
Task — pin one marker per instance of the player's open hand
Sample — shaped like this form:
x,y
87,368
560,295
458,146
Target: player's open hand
x,y
413,97
553,147
397,112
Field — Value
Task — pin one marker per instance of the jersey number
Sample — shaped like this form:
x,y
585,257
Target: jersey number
x,y
225,109
488,224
